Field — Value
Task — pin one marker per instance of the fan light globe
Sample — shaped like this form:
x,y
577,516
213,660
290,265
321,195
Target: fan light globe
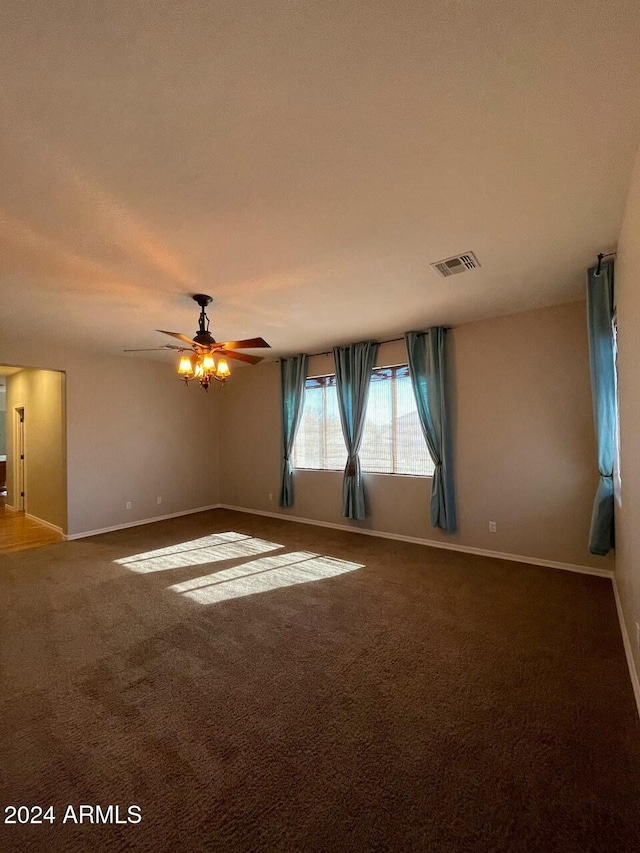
x,y
185,367
223,368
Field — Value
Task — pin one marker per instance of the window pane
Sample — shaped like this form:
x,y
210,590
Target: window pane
x,y
308,445
412,456
393,441
335,449
319,442
376,453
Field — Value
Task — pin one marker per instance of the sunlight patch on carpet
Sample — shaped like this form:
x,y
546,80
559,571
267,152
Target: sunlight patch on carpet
x,y
207,549
262,575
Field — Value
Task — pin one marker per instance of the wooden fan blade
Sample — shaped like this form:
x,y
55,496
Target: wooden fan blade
x,y
250,359
179,337
155,349
249,343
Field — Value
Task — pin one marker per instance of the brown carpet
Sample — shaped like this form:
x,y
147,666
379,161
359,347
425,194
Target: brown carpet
x,y
427,701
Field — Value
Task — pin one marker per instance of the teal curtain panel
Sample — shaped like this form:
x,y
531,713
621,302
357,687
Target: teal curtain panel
x,y
427,355
603,394
353,375
293,373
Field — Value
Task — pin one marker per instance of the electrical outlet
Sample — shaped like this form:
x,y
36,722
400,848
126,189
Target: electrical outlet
x,y
492,527
128,504
270,496
158,500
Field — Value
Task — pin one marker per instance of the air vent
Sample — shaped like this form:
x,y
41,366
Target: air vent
x,y
457,264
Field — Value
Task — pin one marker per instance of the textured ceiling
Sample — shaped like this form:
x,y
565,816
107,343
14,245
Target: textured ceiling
x,y
304,163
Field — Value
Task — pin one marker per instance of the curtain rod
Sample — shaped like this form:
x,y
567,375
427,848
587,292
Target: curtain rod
x,y
601,256
330,351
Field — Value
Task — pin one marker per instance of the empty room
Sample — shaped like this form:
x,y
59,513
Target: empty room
x,y
319,400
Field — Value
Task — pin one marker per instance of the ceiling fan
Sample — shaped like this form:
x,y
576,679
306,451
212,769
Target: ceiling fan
x,y
204,358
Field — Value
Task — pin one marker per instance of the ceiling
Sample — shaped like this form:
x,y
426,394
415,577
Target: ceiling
x,y
304,163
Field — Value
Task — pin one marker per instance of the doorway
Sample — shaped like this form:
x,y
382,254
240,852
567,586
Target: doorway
x,y
19,473
33,511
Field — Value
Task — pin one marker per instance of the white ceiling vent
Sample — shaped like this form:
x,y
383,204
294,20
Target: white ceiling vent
x,y
459,263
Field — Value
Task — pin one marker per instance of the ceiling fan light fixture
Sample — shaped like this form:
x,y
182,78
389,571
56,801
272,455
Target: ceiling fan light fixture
x,y
203,358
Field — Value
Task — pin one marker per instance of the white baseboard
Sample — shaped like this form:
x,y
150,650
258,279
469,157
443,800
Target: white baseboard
x,y
10,508
633,672
142,521
431,543
45,523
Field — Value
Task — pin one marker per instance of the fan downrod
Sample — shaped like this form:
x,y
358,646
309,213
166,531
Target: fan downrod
x,y
203,336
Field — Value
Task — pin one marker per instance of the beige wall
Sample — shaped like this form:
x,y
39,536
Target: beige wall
x,y
41,393
524,445
627,290
134,433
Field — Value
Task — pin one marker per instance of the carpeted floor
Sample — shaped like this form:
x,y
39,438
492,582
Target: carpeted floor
x,y
250,697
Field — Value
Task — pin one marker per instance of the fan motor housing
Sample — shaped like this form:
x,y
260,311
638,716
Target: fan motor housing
x,y
204,338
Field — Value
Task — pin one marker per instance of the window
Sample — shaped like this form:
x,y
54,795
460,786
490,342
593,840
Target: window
x,y
393,442
319,442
